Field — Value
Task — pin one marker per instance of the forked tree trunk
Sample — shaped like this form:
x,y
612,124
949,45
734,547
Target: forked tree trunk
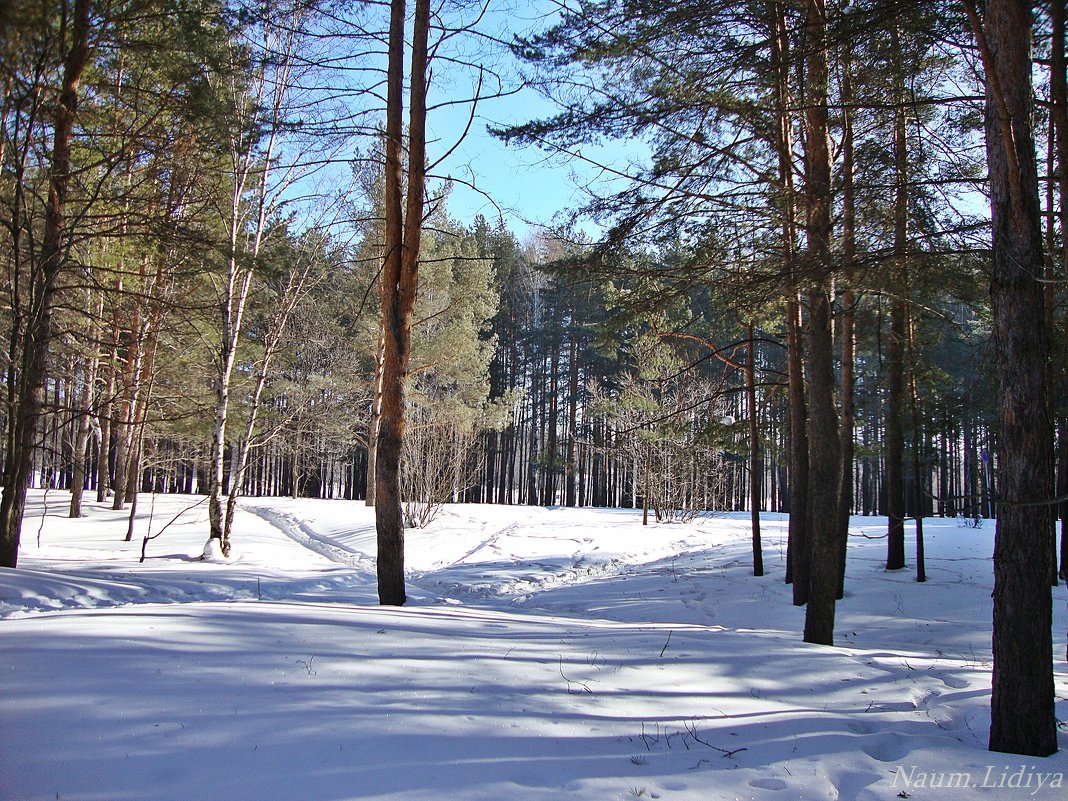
x,y
1022,700
400,281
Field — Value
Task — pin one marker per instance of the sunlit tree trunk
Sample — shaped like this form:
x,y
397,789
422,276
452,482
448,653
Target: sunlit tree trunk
x,y
797,547
373,425
399,284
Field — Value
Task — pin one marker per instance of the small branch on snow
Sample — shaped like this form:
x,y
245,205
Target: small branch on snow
x,y
691,728
666,644
583,685
646,738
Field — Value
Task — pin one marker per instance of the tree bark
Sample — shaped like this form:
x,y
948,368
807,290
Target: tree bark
x,y
825,466
373,424
572,465
797,543
1022,699
90,362
756,463
400,281
895,349
1059,116
35,347
848,322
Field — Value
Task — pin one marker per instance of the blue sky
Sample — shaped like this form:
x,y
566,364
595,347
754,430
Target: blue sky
x,y
528,186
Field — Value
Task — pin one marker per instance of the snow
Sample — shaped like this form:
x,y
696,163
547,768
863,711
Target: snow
x,y
543,654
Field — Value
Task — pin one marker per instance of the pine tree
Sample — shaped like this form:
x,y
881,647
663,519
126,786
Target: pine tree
x,y
1022,701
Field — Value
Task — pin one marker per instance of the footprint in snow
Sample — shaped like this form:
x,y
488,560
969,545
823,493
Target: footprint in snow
x,y
768,784
953,682
861,727
887,748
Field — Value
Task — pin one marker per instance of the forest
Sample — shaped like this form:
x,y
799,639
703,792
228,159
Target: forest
x,y
832,282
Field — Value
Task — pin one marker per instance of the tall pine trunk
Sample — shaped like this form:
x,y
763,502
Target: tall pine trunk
x,y
797,544
895,348
848,326
1059,115
756,462
572,466
1022,700
824,472
374,423
400,280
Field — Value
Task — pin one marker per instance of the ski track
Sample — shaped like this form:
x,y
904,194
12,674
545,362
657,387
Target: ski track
x,y
303,534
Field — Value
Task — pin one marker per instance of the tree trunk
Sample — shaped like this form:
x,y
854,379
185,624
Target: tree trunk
x,y
400,277
373,425
895,352
572,466
847,327
1062,491
553,417
756,463
38,333
824,477
107,406
1022,700
797,543
917,451
90,363
1059,115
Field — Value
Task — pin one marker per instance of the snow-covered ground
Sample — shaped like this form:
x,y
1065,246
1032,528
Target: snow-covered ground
x,y
543,654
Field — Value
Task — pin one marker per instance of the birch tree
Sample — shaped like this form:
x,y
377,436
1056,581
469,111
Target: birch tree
x,y
265,157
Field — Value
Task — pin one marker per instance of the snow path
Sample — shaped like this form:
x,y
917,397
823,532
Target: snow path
x,y
545,654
